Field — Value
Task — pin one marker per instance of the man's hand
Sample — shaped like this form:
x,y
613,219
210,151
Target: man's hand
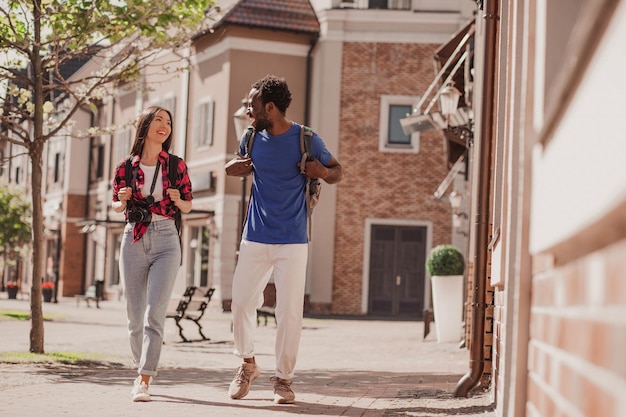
x,y
331,174
239,167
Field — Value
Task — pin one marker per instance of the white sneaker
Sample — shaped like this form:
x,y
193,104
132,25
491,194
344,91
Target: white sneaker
x,y
240,387
283,394
140,390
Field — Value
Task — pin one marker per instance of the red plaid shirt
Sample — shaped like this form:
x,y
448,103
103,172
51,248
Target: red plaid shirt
x,y
165,207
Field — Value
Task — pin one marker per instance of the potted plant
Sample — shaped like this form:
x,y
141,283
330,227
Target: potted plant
x,y
12,290
445,265
47,287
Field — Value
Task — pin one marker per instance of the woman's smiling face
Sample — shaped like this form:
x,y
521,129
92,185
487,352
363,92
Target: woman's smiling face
x,y
160,127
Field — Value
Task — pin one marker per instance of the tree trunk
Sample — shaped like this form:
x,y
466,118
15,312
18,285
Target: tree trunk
x,y
36,159
36,313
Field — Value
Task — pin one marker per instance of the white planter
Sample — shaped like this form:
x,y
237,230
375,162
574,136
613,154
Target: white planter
x,y
448,307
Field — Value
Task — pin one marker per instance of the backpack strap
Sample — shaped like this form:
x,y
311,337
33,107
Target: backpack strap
x,y
306,133
128,172
172,174
128,177
249,140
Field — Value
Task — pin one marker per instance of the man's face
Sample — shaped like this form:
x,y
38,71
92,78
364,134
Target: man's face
x,y
256,111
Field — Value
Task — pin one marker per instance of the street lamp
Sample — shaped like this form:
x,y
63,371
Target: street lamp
x,y
241,121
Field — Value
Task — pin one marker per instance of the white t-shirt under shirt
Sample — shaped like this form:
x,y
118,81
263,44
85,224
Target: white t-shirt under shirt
x,y
148,175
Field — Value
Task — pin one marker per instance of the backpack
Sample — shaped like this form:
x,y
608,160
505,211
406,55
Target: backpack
x,y
172,174
313,187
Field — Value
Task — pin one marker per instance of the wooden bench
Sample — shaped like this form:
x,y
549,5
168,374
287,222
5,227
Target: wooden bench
x,y
191,306
265,312
89,295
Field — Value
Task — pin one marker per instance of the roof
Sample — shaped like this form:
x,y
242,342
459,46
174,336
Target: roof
x,y
287,15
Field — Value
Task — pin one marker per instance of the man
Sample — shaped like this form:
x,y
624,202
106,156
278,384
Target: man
x,y
275,239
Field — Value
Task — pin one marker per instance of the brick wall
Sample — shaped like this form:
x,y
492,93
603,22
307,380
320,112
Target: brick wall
x,y
576,357
375,184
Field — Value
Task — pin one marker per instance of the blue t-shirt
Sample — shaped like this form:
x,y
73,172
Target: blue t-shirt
x,y
277,211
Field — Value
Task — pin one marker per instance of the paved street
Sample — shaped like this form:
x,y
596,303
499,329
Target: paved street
x,y
365,368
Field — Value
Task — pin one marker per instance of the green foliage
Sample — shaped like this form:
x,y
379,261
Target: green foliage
x,y
60,56
445,260
15,227
20,315
67,358
56,37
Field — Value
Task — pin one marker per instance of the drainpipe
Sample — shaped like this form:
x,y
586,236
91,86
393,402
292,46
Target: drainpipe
x,y
309,71
481,220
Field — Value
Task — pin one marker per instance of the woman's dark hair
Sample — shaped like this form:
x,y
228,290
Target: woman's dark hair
x,y
275,90
143,124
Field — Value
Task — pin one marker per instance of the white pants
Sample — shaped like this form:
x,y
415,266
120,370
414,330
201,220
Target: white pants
x,y
257,263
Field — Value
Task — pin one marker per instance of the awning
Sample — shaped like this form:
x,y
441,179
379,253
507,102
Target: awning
x,y
463,39
457,52
454,61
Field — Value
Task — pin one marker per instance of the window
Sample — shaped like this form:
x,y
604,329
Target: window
x,y
395,133
391,135
122,145
57,167
203,126
199,256
100,162
168,103
97,162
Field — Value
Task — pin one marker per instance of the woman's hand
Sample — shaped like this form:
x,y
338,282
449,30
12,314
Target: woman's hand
x,y
124,195
174,195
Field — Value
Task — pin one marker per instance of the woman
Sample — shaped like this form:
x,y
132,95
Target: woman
x,y
150,253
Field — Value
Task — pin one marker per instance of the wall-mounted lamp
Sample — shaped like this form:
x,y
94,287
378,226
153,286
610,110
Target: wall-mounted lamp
x,y
449,100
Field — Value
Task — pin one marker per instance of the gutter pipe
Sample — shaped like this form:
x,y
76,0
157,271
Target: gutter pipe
x,y
481,220
309,71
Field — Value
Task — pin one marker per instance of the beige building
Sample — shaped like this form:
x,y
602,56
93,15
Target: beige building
x,y
352,69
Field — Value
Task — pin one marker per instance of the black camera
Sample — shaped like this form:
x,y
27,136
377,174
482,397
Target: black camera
x,y
139,214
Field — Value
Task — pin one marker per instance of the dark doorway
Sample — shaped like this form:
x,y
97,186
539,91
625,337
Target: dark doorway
x,y
397,271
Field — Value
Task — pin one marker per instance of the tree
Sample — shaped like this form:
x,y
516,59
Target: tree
x,y
40,39
15,230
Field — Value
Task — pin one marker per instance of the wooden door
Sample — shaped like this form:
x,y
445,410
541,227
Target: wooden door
x,y
397,271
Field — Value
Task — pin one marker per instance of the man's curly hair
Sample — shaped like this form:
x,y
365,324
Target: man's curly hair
x,y
274,89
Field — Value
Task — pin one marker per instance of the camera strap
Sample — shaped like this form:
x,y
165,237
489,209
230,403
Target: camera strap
x,y
154,178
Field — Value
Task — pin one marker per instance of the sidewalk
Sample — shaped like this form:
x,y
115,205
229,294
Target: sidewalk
x,y
345,368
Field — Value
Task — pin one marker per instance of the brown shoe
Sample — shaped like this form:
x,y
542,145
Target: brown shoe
x,y
240,387
283,394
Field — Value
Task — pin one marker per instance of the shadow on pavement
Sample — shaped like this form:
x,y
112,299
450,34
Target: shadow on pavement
x,y
406,394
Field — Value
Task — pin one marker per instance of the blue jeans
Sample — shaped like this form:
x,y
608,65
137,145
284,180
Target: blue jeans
x,y
148,270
